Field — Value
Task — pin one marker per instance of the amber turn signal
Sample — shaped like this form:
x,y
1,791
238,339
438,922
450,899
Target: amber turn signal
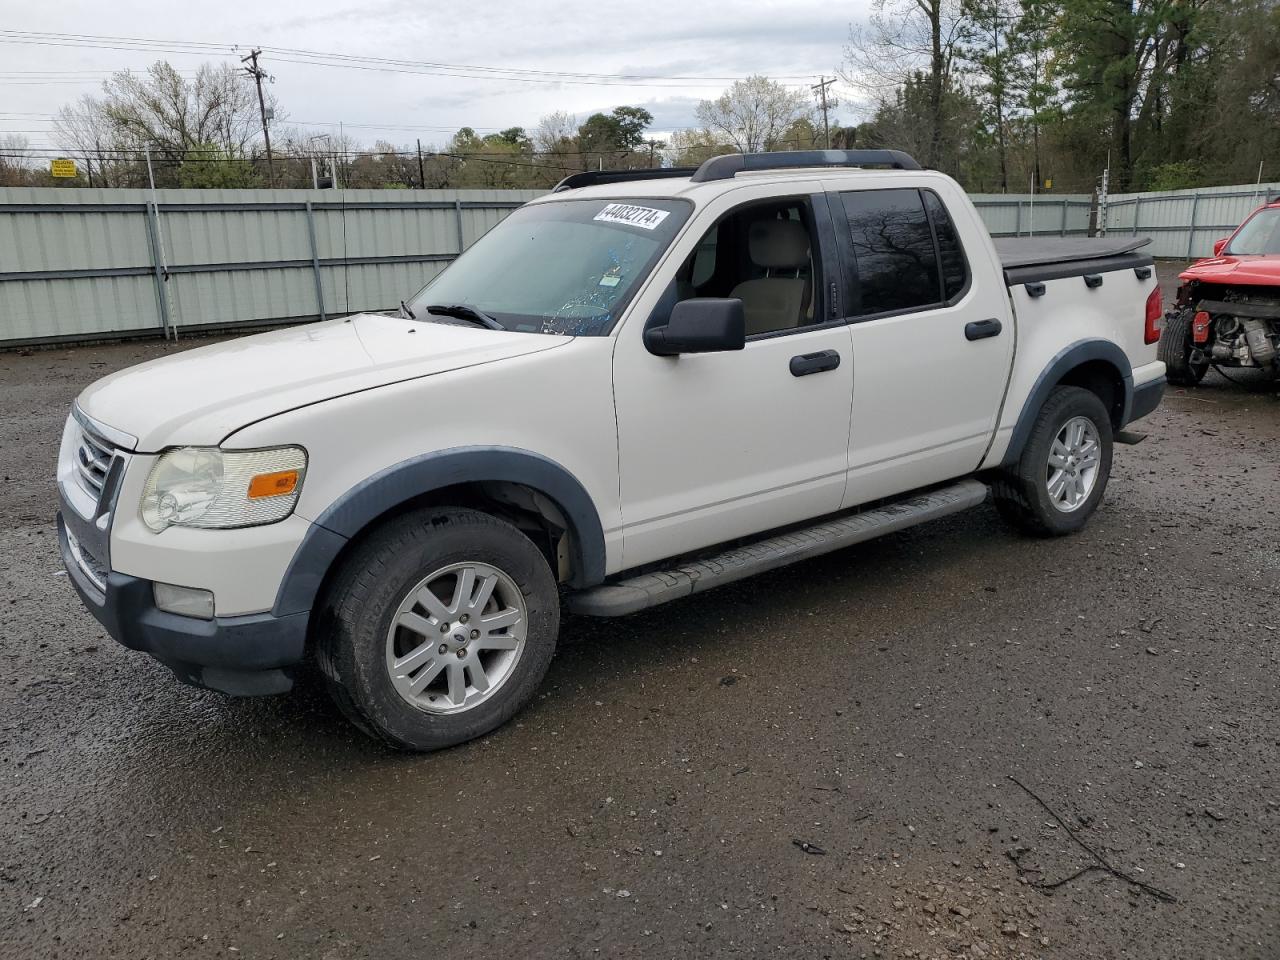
x,y
273,484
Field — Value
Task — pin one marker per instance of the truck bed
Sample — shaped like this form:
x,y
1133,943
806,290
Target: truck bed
x,y
1030,259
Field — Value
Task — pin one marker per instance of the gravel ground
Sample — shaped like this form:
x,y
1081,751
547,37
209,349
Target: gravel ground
x,y
838,759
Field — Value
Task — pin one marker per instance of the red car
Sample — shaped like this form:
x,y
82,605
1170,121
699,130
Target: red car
x,y
1227,309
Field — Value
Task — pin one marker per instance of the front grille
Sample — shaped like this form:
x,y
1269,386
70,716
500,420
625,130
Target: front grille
x,y
89,565
93,460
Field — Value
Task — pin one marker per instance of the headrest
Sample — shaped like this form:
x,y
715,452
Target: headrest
x,y
778,244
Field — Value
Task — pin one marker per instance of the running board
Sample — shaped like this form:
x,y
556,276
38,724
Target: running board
x,y
661,586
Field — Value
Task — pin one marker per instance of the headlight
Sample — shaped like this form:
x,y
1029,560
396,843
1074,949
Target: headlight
x,y
209,487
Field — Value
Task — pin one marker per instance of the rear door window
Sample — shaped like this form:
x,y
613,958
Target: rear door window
x,y
902,251
896,267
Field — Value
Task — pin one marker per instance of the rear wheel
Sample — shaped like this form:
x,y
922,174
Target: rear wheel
x,y
1062,474
1175,349
439,628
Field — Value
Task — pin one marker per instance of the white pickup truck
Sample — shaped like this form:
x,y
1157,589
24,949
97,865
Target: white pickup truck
x,y
637,387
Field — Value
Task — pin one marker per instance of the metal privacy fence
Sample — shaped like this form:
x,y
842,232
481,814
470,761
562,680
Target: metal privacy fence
x,y
1048,215
1183,224
98,264
92,264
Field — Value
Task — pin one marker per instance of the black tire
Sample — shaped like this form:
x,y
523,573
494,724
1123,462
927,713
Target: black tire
x,y
358,606
1175,349
1021,493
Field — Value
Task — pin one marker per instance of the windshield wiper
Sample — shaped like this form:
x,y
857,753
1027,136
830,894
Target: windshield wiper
x,y
406,312
464,311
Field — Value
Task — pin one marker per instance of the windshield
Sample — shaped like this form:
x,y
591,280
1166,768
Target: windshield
x,y
1258,236
566,267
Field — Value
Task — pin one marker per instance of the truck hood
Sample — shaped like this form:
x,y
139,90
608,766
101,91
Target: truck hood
x,y
1242,271
201,396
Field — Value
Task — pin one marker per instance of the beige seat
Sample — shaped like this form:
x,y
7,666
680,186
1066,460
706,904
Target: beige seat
x,y
775,302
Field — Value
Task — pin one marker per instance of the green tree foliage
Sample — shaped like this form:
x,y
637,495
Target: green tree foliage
x,y
1008,93
990,61
613,139
903,120
208,166
689,148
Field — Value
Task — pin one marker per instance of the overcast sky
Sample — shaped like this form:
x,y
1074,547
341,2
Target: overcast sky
x,y
794,42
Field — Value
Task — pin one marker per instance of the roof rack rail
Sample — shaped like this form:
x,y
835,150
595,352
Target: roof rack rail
x,y
590,178
728,166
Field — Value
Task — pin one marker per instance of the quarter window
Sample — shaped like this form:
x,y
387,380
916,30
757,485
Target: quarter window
x,y
950,255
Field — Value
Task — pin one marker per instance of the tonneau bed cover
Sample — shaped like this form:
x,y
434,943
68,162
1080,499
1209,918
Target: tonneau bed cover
x,y
1031,259
1029,251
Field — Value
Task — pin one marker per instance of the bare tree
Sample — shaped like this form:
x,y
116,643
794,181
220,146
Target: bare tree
x,y
165,112
17,169
906,38
557,133
754,113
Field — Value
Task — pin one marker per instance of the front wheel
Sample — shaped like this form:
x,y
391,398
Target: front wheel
x,y
1175,350
438,628
1061,476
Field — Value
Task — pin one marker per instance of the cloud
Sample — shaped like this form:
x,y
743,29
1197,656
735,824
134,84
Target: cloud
x,y
795,41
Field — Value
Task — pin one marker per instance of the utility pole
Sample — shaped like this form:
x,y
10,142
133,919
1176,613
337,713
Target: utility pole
x,y
821,89
422,177
258,73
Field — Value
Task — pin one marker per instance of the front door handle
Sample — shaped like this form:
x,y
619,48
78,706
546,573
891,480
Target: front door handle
x,y
808,363
981,329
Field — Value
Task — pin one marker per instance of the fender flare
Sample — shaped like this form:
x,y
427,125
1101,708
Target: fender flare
x,y
401,482
1066,360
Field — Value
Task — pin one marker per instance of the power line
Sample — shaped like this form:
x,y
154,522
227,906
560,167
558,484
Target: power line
x,y
349,61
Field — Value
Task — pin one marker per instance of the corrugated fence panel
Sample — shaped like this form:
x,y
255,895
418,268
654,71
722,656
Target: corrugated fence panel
x,y
84,264
89,307
1185,223
1015,215
204,299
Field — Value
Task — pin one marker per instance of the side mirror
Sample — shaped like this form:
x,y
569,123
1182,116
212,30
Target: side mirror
x,y
702,325
1218,245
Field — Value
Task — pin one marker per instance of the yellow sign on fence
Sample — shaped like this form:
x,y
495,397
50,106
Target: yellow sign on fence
x,y
62,168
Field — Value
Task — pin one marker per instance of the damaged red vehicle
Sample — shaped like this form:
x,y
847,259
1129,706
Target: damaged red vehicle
x,y
1227,309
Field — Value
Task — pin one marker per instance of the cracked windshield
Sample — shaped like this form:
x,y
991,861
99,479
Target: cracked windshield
x,y
565,267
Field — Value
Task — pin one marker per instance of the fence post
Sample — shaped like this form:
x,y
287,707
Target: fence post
x,y
1017,220
1191,230
457,214
1064,218
315,261
153,237
1137,209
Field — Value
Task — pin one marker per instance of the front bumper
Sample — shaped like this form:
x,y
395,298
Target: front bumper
x,y
243,656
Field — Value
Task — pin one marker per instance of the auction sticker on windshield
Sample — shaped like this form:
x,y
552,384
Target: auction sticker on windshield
x,y
646,218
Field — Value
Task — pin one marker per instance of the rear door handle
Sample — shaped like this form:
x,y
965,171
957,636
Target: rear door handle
x,y
981,329
808,363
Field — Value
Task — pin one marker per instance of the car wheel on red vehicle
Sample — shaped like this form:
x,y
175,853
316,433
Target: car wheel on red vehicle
x,y
1175,349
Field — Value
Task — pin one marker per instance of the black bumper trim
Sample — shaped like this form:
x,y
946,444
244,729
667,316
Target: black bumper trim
x,y
243,656
1145,399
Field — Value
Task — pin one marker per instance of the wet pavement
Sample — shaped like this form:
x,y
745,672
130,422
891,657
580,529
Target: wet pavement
x,y
829,760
